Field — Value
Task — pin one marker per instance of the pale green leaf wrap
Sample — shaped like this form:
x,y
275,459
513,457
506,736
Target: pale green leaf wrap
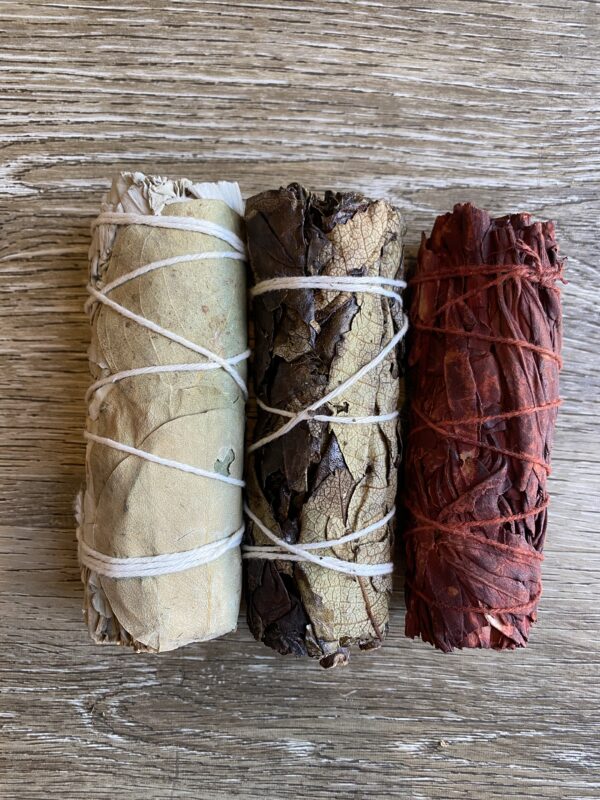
x,y
132,507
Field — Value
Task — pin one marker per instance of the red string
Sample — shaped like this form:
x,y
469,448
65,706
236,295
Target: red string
x,y
519,412
469,270
464,529
494,339
523,608
536,274
526,457
472,292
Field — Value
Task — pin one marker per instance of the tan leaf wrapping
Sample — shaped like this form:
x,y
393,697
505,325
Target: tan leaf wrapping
x,y
132,507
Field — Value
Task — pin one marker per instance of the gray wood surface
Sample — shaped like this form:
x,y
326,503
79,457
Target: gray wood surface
x,y
424,103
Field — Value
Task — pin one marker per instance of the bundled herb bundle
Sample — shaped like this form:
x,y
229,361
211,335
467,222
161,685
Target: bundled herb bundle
x,y
161,516
484,364
322,469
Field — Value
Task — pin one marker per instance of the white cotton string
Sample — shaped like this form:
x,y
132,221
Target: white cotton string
x,y
166,262
295,552
284,550
307,412
181,223
349,537
364,284
201,366
145,566
174,337
164,564
371,284
176,223
166,462
375,419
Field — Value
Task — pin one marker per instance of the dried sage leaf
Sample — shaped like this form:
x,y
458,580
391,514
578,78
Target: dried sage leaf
x,y
132,507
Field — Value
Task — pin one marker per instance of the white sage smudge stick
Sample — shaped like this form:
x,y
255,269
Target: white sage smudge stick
x,y
160,520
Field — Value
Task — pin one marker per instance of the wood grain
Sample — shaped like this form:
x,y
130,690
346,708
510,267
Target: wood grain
x,y
426,104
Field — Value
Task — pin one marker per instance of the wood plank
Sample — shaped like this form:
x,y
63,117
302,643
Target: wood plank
x,y
426,105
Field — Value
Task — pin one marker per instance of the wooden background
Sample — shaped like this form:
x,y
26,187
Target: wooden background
x,y
424,103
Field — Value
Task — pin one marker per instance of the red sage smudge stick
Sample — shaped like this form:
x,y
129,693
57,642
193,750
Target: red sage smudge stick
x,y
484,360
